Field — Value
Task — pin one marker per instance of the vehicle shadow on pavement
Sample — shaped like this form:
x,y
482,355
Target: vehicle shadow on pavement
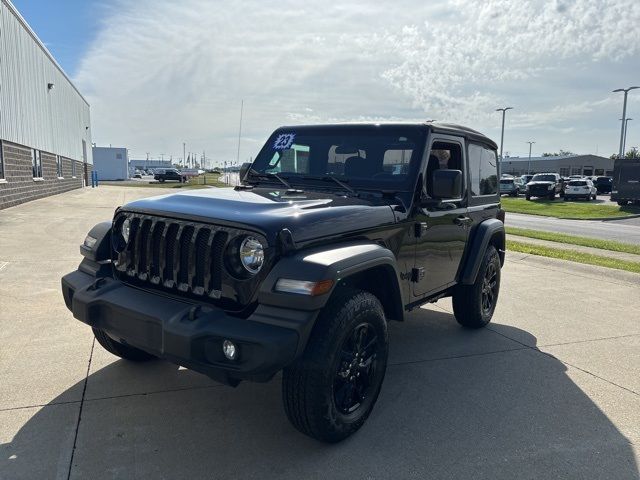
x,y
455,404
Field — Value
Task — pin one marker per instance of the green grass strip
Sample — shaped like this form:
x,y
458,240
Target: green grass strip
x,y
570,210
573,256
575,240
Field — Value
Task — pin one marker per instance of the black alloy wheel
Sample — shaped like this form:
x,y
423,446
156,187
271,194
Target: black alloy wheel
x,y
489,288
357,369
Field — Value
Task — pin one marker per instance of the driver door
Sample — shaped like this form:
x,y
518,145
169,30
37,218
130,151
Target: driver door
x,y
441,230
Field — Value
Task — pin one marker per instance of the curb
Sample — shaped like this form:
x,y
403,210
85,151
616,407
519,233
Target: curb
x,y
603,219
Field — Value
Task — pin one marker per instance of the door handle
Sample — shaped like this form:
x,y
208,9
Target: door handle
x,y
462,221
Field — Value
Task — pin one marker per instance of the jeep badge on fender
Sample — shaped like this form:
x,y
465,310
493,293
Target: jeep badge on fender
x,y
334,231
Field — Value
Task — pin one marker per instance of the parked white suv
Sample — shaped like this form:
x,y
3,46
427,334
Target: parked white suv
x,y
580,189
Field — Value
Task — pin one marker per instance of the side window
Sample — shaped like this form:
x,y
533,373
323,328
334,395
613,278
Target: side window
x,y
443,155
396,160
36,163
338,155
1,161
483,169
59,166
294,159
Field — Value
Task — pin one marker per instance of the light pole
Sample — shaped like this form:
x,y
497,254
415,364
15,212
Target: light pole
x,y
504,111
529,164
624,142
624,116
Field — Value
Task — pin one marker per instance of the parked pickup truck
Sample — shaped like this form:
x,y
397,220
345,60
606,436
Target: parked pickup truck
x,y
544,185
335,231
169,174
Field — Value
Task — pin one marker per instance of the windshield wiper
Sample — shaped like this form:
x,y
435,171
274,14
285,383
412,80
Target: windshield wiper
x,y
324,178
270,175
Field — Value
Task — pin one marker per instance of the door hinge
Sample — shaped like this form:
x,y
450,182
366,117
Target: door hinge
x,y
420,228
417,274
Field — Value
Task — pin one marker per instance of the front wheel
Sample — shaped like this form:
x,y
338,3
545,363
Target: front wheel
x,y
330,391
473,305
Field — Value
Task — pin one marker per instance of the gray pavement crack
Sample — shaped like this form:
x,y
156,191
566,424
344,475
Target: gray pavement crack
x,y
589,341
84,391
411,362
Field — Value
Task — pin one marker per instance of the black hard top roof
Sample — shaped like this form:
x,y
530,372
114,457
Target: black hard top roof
x,y
437,127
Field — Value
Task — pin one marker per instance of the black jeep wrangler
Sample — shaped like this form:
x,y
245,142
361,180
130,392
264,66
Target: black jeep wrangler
x,y
334,231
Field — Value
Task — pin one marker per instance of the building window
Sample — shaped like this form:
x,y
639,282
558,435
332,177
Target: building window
x,y
1,161
36,163
599,171
59,166
564,171
73,168
118,156
576,170
483,166
587,171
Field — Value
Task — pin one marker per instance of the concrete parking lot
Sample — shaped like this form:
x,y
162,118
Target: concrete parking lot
x,y
550,390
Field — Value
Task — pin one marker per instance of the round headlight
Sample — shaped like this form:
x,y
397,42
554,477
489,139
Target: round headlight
x,y
251,254
126,229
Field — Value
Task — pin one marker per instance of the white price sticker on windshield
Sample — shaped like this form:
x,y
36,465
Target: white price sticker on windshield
x,y
284,141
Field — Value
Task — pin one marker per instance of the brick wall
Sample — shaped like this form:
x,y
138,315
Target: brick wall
x,y
19,186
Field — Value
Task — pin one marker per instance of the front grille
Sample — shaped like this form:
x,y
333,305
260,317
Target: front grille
x,y
173,254
540,190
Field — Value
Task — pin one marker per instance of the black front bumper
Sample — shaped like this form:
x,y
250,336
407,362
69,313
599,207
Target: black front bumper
x,y
189,334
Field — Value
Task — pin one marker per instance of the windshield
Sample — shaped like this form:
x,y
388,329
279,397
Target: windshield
x,y
578,183
384,157
507,181
543,178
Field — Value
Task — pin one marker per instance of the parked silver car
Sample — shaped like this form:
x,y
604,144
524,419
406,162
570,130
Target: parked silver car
x,y
511,186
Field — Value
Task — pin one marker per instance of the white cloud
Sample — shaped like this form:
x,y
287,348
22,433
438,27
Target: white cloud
x,y
163,72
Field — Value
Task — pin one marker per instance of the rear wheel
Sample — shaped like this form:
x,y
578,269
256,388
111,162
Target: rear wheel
x,y
473,305
623,203
330,391
528,197
120,349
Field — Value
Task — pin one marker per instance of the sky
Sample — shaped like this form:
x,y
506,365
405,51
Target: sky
x,y
158,73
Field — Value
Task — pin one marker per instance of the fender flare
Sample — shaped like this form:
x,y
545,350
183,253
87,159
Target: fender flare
x,y
483,235
335,262
98,255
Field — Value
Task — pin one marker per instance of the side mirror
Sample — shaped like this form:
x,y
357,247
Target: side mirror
x,y
447,184
243,170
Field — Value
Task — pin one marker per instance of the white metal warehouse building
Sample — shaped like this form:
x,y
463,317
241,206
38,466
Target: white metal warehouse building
x,y
45,129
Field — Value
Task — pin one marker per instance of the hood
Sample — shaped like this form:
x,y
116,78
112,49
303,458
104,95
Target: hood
x,y
309,215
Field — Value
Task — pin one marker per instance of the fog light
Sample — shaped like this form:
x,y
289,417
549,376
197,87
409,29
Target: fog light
x,y
229,349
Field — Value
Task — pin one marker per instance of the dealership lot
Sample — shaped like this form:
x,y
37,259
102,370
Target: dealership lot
x,y
550,390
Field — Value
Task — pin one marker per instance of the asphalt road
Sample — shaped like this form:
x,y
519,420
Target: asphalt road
x,y
549,390
627,231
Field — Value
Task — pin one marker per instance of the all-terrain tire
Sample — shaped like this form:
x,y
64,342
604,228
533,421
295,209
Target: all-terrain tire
x,y
309,389
473,305
123,351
